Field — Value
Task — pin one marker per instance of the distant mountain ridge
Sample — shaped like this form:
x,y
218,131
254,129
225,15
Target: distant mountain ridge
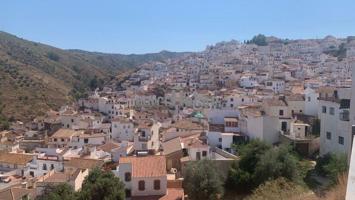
x,y
35,77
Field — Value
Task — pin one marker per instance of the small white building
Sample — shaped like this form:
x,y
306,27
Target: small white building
x,y
335,120
276,85
146,136
143,176
46,160
248,81
122,129
311,102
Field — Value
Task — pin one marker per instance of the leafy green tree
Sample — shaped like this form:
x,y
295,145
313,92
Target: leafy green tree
x,y
276,162
260,162
53,56
250,153
62,191
259,40
100,185
96,83
202,181
332,166
241,173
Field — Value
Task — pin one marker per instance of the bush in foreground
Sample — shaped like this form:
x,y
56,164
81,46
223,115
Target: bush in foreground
x,y
202,181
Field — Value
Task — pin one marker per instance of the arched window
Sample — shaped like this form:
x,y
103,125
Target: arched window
x,y
141,185
156,184
127,176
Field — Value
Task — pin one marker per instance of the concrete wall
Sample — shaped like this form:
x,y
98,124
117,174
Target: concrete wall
x,y
331,123
311,102
122,131
149,186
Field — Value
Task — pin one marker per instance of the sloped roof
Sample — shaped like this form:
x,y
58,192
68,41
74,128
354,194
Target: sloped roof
x,y
15,158
83,163
149,166
172,146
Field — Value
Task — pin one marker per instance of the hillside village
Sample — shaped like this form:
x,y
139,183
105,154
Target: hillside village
x,y
171,113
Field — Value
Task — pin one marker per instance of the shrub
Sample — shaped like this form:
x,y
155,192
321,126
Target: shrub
x,y
201,181
280,188
53,56
332,165
260,162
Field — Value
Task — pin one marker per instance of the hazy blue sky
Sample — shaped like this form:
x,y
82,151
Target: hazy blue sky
x,y
140,26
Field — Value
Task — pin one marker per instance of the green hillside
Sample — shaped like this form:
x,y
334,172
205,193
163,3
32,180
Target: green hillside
x,y
35,77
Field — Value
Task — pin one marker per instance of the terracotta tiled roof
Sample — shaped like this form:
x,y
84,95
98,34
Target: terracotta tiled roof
x,y
172,146
187,124
171,194
193,142
295,97
109,146
65,133
82,163
58,177
274,102
149,166
15,193
15,158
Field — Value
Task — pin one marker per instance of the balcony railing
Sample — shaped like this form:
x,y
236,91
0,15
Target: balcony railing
x,y
288,135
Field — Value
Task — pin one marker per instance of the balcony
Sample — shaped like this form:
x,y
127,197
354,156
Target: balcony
x,y
287,134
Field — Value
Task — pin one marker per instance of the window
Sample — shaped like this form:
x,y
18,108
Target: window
x,y
331,110
128,193
204,153
344,116
127,176
141,185
344,103
86,140
62,139
329,135
156,184
309,98
72,120
341,140
219,139
284,126
281,112
198,155
44,167
232,99
52,166
242,99
324,109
